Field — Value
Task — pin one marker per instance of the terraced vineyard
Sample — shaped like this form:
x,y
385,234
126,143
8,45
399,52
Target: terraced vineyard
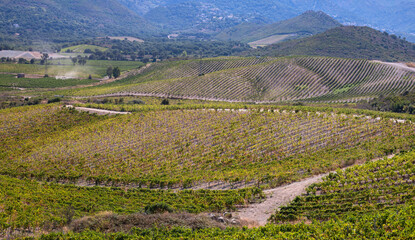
x,y
313,79
191,147
371,187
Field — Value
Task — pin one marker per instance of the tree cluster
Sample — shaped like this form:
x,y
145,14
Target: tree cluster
x,y
403,103
113,72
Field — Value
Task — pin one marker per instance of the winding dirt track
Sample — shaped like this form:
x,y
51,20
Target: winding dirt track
x,y
279,197
276,198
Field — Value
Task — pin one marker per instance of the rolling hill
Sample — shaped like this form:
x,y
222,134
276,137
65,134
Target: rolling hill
x,y
263,80
348,42
59,20
393,16
308,23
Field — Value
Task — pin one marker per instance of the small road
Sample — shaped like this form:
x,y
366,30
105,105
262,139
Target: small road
x,y
401,66
280,196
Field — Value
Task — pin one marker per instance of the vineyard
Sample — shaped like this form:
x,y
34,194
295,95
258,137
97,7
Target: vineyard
x,y
371,187
10,82
311,79
26,204
60,165
186,148
382,225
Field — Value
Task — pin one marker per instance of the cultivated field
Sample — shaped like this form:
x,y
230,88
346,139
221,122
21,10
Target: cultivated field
x,y
310,79
375,186
186,148
11,82
65,67
82,48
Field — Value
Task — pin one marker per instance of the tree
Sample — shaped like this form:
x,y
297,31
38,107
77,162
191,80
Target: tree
x,y
45,58
109,72
116,72
82,61
74,61
165,102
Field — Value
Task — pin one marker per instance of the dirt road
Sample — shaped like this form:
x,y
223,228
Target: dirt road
x,y
97,111
279,197
402,66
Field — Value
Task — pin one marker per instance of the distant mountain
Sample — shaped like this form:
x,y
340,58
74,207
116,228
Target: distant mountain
x,y
62,20
308,23
347,42
396,16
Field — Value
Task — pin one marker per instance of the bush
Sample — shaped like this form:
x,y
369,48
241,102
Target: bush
x,y
54,100
165,102
137,101
158,208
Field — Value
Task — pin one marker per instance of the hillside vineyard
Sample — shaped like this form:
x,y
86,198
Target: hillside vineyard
x,y
265,80
184,148
375,186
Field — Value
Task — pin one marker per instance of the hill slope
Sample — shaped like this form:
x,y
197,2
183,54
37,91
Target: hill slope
x,y
349,42
394,16
67,20
308,23
264,80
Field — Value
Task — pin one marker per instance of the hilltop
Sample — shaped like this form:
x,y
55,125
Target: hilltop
x,y
348,42
393,16
308,23
34,20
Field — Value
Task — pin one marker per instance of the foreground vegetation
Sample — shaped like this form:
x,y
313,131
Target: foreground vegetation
x,y
29,205
391,224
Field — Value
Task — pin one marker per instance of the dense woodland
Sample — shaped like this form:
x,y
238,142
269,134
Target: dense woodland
x,y
348,42
156,48
402,103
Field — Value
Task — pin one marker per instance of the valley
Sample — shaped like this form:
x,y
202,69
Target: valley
x,y
162,119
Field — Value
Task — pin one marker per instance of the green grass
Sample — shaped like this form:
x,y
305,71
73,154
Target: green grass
x,y
81,48
62,67
11,81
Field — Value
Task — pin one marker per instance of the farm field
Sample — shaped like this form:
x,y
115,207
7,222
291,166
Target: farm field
x,y
10,81
81,48
186,148
65,67
263,80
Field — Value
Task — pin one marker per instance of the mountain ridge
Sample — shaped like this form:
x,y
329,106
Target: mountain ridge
x,y
59,20
308,23
345,42
392,16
